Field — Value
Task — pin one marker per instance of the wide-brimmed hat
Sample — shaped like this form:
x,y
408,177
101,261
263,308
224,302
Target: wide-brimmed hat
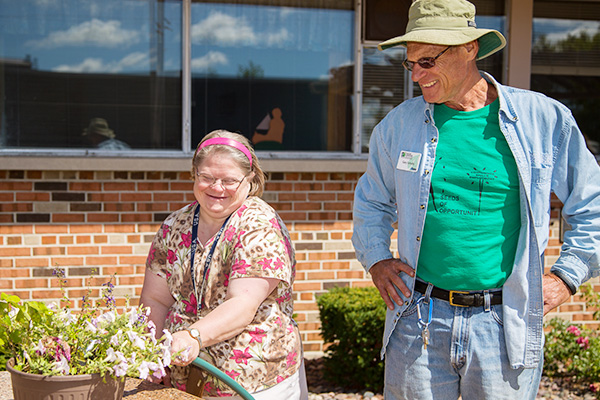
x,y
99,126
447,23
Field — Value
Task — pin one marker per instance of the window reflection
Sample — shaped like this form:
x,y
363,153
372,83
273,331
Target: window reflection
x,y
282,76
76,72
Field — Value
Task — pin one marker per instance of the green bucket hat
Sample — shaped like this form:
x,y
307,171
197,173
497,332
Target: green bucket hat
x,y
447,23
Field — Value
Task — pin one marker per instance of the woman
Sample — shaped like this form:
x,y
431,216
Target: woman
x,y
219,277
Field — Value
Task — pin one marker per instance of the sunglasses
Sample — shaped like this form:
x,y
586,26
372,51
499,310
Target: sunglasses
x,y
425,62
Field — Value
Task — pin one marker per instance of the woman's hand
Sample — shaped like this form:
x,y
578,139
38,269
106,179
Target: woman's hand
x,y
184,348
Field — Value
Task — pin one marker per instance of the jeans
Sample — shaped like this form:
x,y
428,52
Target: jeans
x,y
466,356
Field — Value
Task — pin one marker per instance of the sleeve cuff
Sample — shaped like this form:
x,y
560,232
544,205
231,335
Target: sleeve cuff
x,y
572,287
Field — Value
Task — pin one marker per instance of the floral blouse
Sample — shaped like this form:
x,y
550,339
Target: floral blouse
x,y
254,243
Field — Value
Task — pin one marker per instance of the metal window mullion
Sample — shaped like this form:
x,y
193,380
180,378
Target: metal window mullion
x,y
186,76
358,78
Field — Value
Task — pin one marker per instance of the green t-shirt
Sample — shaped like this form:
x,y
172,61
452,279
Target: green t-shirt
x,y
473,218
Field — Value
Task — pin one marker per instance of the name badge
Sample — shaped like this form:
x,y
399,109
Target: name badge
x,y
408,161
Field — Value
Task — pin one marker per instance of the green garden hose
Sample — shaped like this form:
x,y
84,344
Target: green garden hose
x,y
222,376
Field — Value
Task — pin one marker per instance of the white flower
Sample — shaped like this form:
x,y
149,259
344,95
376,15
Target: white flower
x,y
90,327
144,369
116,339
107,318
121,369
61,366
136,340
90,346
111,356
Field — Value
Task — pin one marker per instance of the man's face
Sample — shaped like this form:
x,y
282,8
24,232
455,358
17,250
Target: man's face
x,y
447,81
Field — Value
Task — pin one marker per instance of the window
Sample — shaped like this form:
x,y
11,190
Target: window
x,y
108,74
566,59
86,74
281,75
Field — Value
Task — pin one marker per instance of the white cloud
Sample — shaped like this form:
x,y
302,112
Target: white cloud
x,y
137,61
225,30
211,59
90,33
557,30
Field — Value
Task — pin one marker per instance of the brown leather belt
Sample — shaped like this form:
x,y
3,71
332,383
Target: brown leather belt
x,y
461,298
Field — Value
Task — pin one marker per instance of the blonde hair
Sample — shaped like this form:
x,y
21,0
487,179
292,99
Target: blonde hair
x,y
257,184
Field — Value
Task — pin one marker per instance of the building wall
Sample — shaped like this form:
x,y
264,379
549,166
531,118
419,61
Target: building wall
x,y
102,223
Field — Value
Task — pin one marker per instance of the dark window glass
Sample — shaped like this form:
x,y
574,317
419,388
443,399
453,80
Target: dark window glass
x,y
565,61
87,74
281,75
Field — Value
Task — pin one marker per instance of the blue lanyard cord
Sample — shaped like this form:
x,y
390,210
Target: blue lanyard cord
x,y
195,224
421,323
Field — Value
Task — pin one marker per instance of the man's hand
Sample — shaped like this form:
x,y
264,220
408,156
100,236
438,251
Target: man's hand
x,y
555,292
386,277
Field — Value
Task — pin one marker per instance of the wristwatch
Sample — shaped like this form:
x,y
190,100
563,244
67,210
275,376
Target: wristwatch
x,y
195,333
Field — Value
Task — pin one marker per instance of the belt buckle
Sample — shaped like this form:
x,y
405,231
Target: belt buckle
x,y
451,298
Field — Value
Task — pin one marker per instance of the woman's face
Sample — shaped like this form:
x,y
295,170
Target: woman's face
x,y
220,186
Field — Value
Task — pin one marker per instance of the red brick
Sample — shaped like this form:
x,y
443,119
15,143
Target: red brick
x,y
103,197
119,186
14,252
46,294
115,250
14,207
6,263
131,260
119,207
313,206
152,207
16,186
321,256
85,186
14,273
338,205
308,187
320,275
100,260
104,217
130,280
120,270
66,240
51,228
7,196
33,196
82,250
136,197
67,261
136,217
68,217
182,186
307,286
48,251
31,283
32,262
88,228
120,228
14,240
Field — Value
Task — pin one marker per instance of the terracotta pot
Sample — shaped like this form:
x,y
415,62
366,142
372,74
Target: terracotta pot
x,y
76,387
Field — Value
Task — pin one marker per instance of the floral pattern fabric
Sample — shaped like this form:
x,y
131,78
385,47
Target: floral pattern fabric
x,y
254,243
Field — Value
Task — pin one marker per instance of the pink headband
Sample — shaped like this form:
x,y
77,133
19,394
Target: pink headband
x,y
228,142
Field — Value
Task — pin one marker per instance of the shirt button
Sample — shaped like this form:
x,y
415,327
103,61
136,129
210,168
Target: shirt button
x,y
426,172
433,140
418,238
422,207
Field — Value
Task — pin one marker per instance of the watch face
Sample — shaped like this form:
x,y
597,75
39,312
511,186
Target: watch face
x,y
194,332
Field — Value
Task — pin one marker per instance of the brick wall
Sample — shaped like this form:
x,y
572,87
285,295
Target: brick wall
x,y
103,222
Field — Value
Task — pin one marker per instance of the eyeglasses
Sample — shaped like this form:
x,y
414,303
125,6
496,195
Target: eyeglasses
x,y
425,62
226,184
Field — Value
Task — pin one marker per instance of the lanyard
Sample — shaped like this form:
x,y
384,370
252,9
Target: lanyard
x,y
208,257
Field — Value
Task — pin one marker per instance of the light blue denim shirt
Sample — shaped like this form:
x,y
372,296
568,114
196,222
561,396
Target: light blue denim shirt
x,y
551,156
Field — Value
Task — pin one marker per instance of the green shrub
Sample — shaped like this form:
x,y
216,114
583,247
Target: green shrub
x,y
574,351
352,322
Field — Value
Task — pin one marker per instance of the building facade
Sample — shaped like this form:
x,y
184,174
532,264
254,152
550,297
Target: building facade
x,y
104,101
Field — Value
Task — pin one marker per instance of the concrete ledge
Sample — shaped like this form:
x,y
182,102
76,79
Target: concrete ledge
x,y
56,163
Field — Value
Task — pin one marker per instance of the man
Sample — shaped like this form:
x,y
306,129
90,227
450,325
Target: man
x,y
466,171
99,135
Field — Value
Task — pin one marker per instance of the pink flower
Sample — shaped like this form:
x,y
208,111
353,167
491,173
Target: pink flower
x,y
574,330
232,374
180,386
165,230
240,267
266,263
226,281
186,239
257,335
291,358
241,356
584,342
280,378
595,387
238,244
151,254
192,304
241,210
278,263
275,223
230,233
171,257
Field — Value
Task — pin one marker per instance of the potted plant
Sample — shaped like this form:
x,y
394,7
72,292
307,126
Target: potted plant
x,y
58,353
